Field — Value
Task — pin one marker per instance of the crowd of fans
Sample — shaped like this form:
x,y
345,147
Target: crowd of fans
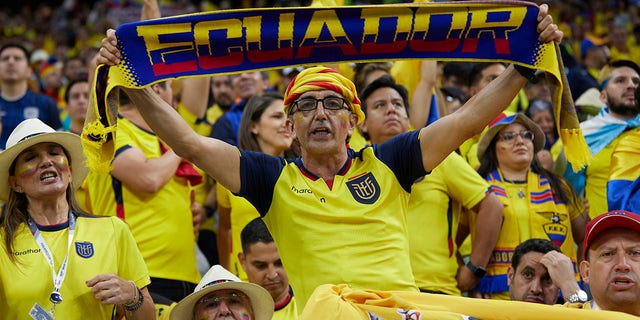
x,y
600,49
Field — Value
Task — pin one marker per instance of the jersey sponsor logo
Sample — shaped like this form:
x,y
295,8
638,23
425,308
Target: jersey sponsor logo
x,y
301,190
24,252
365,189
84,249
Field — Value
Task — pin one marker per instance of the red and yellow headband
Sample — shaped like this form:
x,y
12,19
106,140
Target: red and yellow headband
x,y
322,78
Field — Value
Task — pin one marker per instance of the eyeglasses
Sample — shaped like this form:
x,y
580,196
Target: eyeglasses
x,y
329,103
233,300
510,136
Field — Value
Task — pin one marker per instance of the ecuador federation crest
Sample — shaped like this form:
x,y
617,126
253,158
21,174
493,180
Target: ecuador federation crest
x,y
555,230
365,189
84,249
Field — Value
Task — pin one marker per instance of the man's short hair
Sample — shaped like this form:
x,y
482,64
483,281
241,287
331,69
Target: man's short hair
x,y
605,73
536,245
15,45
70,85
254,232
475,73
458,69
384,82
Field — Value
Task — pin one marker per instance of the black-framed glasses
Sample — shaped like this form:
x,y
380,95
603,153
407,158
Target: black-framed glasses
x,y
510,136
329,103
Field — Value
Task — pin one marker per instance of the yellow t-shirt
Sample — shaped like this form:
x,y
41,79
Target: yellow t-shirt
x,y
435,206
242,212
161,223
100,245
286,312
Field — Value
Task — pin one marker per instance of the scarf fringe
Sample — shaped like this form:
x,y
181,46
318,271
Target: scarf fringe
x,y
575,148
98,147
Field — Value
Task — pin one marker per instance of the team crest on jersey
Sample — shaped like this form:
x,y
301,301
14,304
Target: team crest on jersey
x,y
409,314
365,189
84,249
555,230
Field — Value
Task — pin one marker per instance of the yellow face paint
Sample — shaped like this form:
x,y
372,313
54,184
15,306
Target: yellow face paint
x,y
344,117
28,169
297,117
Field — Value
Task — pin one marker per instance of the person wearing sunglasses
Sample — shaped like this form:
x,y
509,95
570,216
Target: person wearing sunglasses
x,y
537,203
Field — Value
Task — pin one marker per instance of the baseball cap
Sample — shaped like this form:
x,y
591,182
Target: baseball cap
x,y
612,219
590,42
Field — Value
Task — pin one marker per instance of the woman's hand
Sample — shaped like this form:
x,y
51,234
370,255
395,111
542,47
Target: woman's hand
x,y
111,289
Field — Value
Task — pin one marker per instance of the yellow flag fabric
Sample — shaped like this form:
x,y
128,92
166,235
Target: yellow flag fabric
x,y
341,302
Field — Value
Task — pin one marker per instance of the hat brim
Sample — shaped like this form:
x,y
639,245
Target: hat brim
x,y
69,141
261,301
487,137
623,221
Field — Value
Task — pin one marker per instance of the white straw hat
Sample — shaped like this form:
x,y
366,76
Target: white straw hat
x,y
218,278
31,132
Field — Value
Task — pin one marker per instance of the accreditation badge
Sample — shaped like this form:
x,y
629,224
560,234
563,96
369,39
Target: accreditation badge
x,y
37,312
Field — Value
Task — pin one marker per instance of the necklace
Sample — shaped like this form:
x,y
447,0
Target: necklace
x,y
520,183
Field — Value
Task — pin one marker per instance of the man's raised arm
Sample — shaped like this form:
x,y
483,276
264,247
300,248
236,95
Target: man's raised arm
x,y
452,130
219,159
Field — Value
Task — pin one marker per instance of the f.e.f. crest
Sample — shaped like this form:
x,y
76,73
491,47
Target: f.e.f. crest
x,y
84,249
365,189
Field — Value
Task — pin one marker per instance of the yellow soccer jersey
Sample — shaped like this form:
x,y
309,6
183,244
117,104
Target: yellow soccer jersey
x,y
100,245
348,230
287,311
161,222
435,206
242,212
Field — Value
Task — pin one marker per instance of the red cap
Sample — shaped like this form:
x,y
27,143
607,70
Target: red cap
x,y
612,219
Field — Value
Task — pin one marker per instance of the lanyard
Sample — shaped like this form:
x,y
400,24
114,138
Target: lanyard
x,y
58,278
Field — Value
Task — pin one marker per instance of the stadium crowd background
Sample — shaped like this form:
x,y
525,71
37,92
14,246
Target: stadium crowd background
x,y
63,36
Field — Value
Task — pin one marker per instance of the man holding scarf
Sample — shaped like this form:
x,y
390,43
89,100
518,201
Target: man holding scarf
x,y
336,214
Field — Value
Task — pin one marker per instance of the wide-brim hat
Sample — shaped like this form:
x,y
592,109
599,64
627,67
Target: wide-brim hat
x,y
31,132
218,278
494,128
612,219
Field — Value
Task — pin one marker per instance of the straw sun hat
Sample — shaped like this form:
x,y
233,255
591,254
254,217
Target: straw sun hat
x,y
31,132
487,137
218,278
